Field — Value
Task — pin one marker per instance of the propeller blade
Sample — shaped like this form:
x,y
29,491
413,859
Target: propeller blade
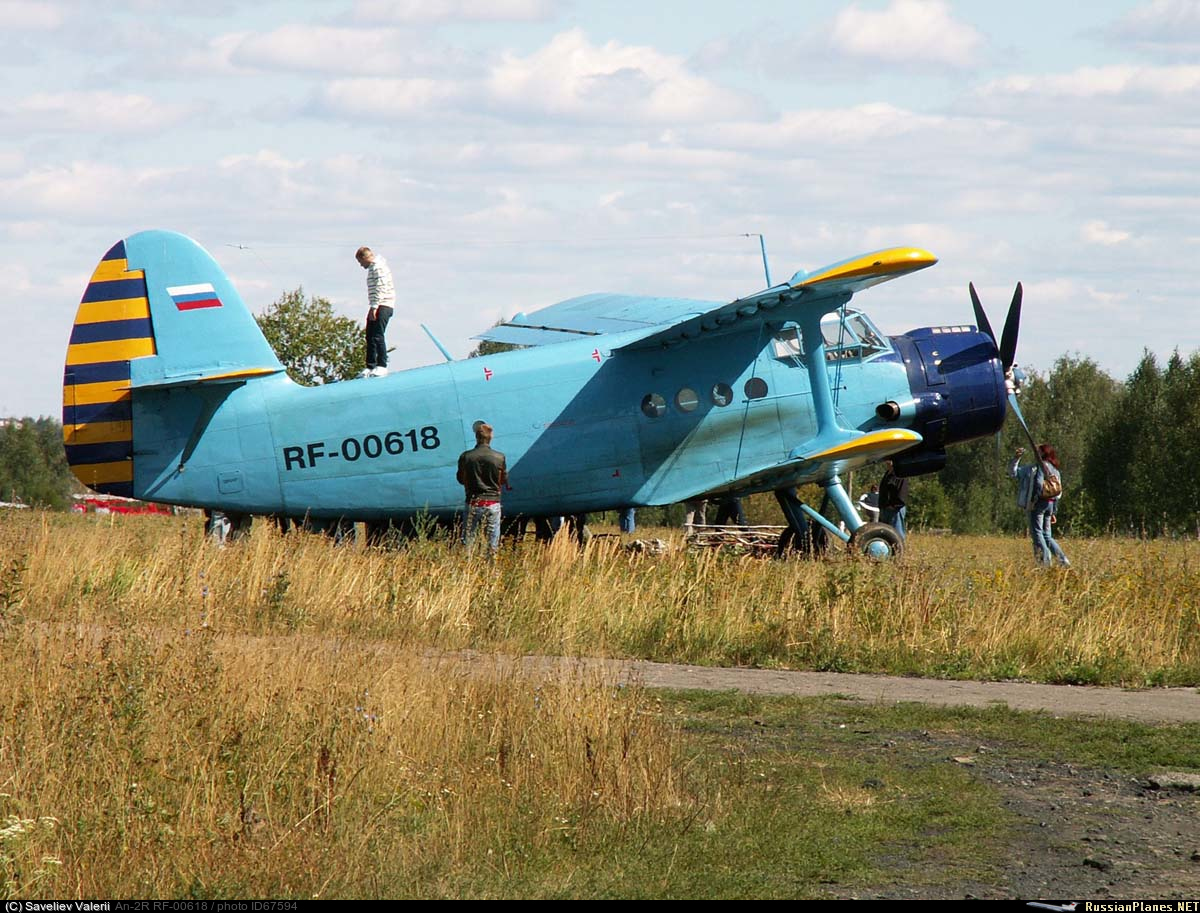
x,y
1012,402
1012,325
980,316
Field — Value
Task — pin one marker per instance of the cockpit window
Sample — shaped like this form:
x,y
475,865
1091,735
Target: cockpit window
x,y
787,344
870,337
850,337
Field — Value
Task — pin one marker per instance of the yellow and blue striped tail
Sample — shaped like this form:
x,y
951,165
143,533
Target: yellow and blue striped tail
x,y
112,326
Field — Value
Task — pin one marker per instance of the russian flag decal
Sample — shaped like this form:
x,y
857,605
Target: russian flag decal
x,y
191,297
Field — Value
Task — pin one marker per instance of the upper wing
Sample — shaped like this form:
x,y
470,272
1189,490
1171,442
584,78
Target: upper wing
x,y
594,315
828,288
667,320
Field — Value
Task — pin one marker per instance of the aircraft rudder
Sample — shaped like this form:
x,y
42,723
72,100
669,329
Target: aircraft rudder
x,y
158,310
112,327
201,325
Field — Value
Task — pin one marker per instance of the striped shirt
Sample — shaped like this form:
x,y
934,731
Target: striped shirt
x,y
380,290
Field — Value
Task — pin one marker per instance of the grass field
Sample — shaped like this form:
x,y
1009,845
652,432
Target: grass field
x,y
957,607
264,720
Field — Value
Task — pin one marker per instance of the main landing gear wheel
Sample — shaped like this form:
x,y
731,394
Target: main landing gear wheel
x,y
877,541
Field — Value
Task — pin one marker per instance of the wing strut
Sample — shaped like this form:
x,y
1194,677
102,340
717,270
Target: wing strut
x,y
818,373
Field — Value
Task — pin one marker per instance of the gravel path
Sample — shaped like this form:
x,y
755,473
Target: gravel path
x,y
1153,705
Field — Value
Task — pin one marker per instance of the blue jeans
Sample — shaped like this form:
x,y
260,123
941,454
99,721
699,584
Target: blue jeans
x,y
627,520
489,517
1041,531
894,516
376,343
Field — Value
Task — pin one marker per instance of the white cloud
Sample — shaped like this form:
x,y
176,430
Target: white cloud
x,y
1107,81
907,32
265,159
508,209
868,123
30,15
388,99
569,79
909,35
428,11
74,112
942,240
213,58
1171,26
611,83
81,190
308,48
1098,231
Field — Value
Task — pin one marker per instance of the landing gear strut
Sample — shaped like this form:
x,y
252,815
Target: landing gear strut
x,y
806,526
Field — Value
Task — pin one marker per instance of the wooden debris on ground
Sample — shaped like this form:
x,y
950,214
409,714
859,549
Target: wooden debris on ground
x,y
752,540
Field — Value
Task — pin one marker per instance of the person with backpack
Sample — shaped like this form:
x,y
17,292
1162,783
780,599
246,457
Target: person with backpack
x,y
1039,487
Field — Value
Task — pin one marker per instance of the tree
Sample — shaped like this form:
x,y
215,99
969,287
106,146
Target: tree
x,y
314,344
33,464
1144,469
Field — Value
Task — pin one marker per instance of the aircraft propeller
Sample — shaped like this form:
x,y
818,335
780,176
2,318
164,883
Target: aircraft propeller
x,y
1007,344
1014,377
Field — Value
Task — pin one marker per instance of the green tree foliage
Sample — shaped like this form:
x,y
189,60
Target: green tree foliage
x,y
1143,471
314,344
33,464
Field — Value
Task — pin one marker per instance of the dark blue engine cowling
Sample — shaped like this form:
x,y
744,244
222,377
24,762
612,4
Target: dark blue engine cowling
x,y
957,385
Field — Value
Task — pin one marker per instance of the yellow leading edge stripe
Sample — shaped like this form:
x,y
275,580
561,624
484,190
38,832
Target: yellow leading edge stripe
x,y
876,440
881,263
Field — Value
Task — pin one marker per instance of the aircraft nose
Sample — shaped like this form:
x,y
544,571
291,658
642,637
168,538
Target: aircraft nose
x,y
957,385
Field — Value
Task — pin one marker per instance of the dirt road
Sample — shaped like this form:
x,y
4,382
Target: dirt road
x,y
1154,705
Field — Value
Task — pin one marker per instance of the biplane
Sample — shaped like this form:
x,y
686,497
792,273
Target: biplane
x,y
172,394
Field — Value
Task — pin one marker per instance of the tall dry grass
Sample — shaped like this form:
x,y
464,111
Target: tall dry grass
x,y
1127,612
268,719
135,763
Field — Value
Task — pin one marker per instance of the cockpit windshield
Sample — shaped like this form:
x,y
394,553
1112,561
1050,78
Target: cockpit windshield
x,y
848,334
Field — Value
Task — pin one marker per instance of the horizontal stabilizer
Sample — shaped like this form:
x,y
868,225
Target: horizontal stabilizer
x,y
194,378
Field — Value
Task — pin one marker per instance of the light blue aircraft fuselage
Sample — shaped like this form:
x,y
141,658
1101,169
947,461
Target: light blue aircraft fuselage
x,y
172,394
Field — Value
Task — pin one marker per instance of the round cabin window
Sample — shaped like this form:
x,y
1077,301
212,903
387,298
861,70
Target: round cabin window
x,y
687,400
756,388
654,405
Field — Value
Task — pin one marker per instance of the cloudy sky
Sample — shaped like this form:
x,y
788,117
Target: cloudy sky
x,y
506,154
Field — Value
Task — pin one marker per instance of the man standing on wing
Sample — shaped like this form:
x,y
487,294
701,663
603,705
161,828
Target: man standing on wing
x,y
483,473
381,300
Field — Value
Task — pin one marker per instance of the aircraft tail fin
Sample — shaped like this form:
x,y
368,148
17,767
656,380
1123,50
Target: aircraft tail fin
x,y
158,311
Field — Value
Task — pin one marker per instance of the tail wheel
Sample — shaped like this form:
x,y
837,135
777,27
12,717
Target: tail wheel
x,y
877,541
